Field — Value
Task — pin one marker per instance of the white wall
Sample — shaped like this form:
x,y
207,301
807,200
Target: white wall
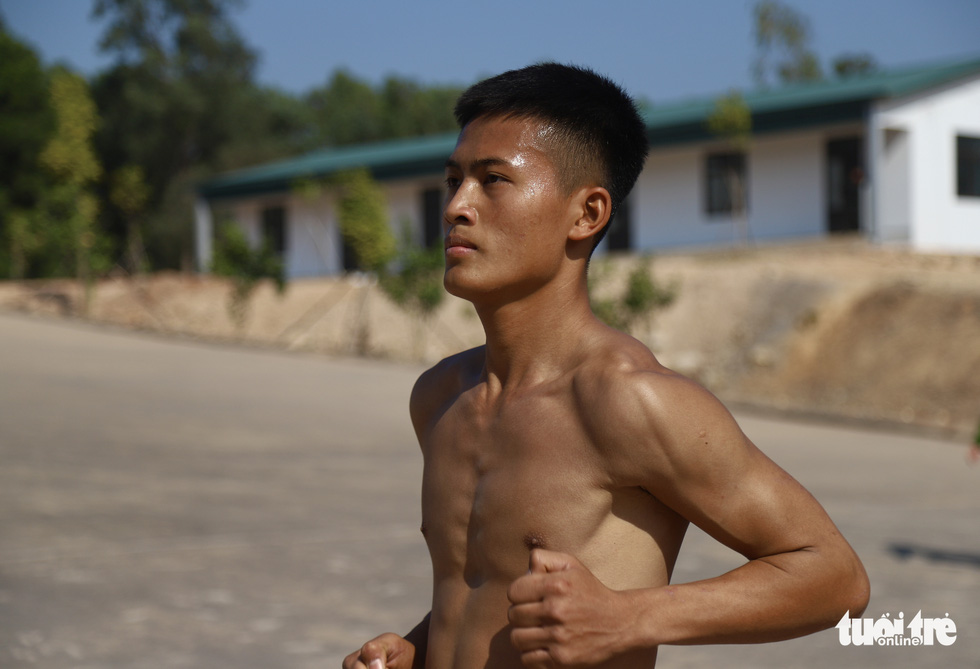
x,y
313,246
787,186
786,193
938,219
894,195
248,214
313,242
405,205
312,238
787,199
203,235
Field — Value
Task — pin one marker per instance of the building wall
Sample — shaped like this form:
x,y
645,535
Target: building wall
x,y
405,205
248,214
786,180
785,175
313,242
893,194
312,237
915,164
313,245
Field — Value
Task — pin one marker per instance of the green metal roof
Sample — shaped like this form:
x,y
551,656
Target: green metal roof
x,y
386,160
787,107
804,105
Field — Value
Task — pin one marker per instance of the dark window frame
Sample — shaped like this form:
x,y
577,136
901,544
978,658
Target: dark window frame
x,y
718,199
619,233
274,229
967,166
433,200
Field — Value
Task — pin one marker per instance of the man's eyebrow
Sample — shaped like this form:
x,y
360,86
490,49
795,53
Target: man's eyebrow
x,y
480,162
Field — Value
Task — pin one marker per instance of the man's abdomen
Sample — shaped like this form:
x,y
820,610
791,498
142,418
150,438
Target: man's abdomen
x,y
469,629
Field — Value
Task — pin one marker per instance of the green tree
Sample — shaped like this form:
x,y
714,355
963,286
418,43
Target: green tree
x,y
69,154
178,95
246,266
852,64
635,306
129,194
415,285
363,216
783,52
363,219
273,124
731,120
65,219
410,110
26,124
348,110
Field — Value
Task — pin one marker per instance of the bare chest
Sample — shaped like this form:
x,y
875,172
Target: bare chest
x,y
496,487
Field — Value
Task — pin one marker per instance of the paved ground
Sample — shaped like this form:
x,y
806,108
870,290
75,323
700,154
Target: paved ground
x,y
169,504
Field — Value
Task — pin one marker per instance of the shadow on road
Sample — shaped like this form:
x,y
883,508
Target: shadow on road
x,y
907,551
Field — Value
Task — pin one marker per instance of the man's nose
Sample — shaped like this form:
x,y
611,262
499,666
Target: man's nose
x,y
459,206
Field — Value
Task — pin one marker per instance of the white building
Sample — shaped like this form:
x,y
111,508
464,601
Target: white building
x,y
893,155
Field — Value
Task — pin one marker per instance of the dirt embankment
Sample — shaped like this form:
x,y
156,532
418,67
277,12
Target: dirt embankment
x,y
839,328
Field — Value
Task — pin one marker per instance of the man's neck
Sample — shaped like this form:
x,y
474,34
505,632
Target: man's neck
x,y
538,337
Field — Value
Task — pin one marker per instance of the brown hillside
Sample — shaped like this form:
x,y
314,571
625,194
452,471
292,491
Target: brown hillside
x,y
830,327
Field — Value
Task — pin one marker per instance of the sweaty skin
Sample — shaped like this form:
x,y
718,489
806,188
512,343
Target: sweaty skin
x,y
513,471
563,463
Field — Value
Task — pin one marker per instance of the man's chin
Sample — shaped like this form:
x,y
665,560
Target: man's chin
x,y
457,289
458,286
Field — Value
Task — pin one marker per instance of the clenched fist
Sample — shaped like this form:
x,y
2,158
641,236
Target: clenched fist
x,y
563,616
388,651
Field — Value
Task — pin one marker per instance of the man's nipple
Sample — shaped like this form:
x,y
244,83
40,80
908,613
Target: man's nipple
x,y
532,541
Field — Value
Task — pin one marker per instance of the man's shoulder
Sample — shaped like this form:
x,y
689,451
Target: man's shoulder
x,y
454,369
621,368
625,396
445,380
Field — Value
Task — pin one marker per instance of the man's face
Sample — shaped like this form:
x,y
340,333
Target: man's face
x,y
506,216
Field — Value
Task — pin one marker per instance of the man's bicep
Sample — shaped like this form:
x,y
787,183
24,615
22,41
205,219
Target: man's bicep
x,y
760,510
700,463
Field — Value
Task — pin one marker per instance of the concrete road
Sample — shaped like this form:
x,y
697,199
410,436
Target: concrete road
x,y
172,504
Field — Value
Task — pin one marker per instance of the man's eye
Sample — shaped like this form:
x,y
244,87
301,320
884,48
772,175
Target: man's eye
x,y
493,178
452,183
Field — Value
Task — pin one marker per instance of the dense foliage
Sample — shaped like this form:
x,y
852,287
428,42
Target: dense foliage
x,y
178,103
246,266
635,306
363,216
416,283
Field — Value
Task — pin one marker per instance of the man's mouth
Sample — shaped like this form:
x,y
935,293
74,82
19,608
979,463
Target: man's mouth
x,y
458,242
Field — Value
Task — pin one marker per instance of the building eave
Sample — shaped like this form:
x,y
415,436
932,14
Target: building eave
x,y
780,109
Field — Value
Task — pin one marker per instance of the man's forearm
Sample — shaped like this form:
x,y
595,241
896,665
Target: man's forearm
x,y
419,637
768,599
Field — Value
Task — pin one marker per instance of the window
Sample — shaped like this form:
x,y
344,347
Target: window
x,y
618,237
274,229
968,166
726,183
432,216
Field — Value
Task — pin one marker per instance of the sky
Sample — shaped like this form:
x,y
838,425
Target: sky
x,y
659,50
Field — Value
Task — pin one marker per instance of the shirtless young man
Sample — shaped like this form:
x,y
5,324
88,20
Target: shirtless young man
x,y
563,463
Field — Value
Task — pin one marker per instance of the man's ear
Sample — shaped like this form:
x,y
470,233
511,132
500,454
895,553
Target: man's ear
x,y
595,207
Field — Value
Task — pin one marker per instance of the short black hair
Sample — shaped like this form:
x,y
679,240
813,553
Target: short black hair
x,y
598,133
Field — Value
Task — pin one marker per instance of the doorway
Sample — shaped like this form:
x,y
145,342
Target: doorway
x,y
845,174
